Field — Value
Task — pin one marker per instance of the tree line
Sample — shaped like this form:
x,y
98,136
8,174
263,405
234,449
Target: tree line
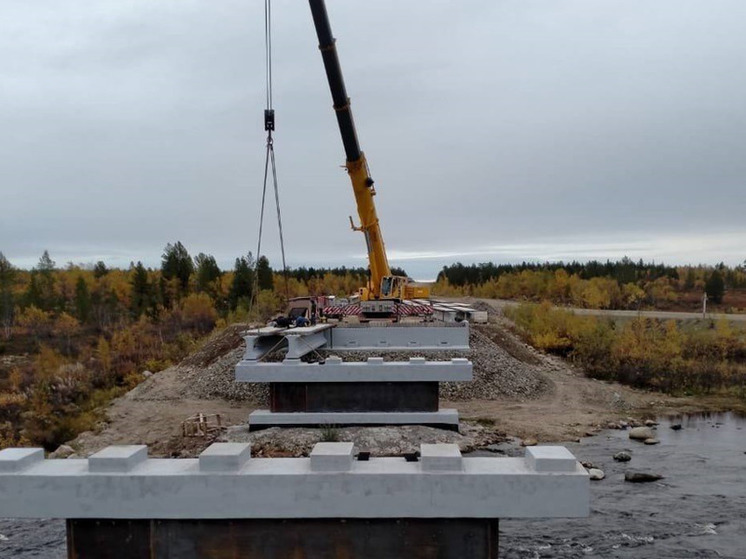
x,y
624,284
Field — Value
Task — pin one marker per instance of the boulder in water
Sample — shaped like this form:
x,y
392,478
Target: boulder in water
x,y
596,474
651,440
641,433
623,456
641,477
676,426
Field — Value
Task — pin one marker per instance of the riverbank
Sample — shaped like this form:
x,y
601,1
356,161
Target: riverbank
x,y
517,392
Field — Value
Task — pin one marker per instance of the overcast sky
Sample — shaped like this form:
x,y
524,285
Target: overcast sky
x,y
495,129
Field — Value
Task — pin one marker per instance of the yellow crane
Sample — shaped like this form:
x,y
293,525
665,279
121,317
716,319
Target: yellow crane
x,y
384,289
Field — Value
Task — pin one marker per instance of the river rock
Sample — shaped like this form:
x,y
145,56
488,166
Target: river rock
x,y
529,442
641,477
650,423
651,440
622,456
676,426
63,451
641,433
596,474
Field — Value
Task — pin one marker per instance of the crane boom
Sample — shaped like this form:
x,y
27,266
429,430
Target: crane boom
x,y
357,167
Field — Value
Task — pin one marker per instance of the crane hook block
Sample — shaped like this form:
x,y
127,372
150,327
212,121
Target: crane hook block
x,y
269,120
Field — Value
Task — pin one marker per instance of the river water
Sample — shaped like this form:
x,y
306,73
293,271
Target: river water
x,y
698,510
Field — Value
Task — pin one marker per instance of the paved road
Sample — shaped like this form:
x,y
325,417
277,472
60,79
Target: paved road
x,y
664,315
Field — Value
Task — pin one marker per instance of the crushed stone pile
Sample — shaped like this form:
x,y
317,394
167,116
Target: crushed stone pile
x,y
498,372
379,441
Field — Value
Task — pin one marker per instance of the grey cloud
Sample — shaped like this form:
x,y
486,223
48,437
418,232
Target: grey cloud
x,y
486,124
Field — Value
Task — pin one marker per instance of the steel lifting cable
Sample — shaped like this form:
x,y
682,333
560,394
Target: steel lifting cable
x,y
269,126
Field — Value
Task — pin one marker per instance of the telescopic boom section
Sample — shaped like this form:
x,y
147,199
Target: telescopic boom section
x,y
357,167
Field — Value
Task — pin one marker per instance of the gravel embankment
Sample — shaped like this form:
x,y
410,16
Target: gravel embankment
x,y
208,374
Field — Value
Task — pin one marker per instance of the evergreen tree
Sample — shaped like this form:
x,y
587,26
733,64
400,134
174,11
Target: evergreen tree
x,y
7,279
241,289
141,290
176,264
715,287
264,274
100,269
207,272
44,295
46,265
83,302
33,297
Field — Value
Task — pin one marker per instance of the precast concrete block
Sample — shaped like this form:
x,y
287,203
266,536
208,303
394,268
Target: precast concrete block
x,y
224,457
550,459
441,457
332,457
17,459
118,458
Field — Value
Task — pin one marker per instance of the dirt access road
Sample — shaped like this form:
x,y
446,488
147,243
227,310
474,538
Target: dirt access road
x,y
662,315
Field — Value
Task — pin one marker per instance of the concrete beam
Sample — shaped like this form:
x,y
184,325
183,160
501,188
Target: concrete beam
x,y
417,369
260,419
400,338
290,488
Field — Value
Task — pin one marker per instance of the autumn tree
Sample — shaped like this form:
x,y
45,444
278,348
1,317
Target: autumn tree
x,y
264,274
35,321
198,312
66,326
